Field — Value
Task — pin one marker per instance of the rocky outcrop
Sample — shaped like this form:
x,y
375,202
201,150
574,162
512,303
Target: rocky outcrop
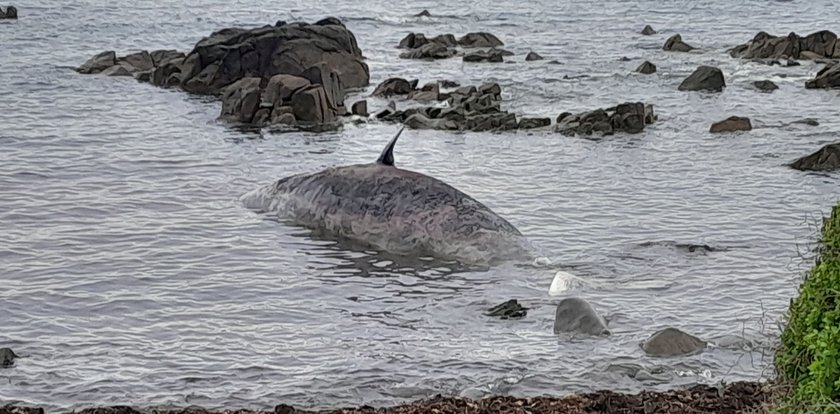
x,y
826,158
532,56
578,316
765,85
508,310
704,78
676,44
671,342
9,13
7,357
287,72
430,51
648,30
731,124
827,77
445,45
627,117
533,123
822,44
646,68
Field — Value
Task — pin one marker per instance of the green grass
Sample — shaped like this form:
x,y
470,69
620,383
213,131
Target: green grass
x,y
808,358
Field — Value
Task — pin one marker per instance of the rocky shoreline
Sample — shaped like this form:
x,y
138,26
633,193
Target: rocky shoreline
x,y
734,398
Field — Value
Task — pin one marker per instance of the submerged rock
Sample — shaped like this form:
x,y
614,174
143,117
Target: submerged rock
x,y
731,124
628,117
577,315
359,108
10,13
826,158
532,56
670,342
508,310
479,39
765,85
532,123
7,357
424,13
676,44
704,78
429,51
648,31
827,77
484,56
822,44
98,63
393,86
646,68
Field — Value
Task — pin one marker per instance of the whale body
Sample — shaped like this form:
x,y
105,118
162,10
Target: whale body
x,y
393,209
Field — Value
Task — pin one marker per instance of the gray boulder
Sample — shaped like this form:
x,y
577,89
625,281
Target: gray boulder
x,y
479,39
280,89
161,57
731,124
577,315
648,30
116,70
704,78
311,105
646,68
764,46
10,13
508,310
671,342
137,62
241,100
491,55
424,13
428,93
98,63
7,357
631,117
413,41
429,51
393,86
359,108
826,158
676,44
532,56
533,123
765,85
827,77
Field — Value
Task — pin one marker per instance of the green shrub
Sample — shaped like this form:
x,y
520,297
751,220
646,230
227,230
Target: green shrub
x,y
808,358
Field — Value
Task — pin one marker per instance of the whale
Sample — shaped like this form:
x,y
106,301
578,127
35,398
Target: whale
x,y
393,210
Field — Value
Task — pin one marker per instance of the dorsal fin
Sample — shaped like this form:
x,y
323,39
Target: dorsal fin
x,y
387,156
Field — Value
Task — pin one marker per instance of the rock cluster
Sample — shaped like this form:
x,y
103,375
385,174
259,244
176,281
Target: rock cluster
x,y
446,46
822,44
244,67
827,77
631,117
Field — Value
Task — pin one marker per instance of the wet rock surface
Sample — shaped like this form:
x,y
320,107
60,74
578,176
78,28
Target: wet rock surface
x,y
821,44
447,45
733,398
671,342
704,78
731,124
826,158
576,315
631,117
827,77
7,357
508,310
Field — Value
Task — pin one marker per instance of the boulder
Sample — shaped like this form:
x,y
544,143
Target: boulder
x,y
137,62
7,357
532,123
648,31
280,89
281,115
393,86
631,117
161,57
820,44
479,39
731,124
116,70
9,13
577,315
532,56
445,39
359,108
765,85
420,121
429,51
484,56
429,92
98,63
424,13
826,158
676,44
322,74
704,78
508,310
413,41
646,68
827,77
671,342
311,105
241,100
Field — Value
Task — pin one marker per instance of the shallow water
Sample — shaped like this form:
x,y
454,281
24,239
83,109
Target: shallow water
x,y
132,274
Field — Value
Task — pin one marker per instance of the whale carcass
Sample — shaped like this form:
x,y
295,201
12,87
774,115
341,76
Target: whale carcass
x,y
393,209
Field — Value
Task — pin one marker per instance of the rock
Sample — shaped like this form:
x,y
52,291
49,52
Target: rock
x,y
9,13
827,77
704,78
449,84
479,39
532,123
445,39
671,342
262,117
676,44
826,159
532,56
508,310
322,74
646,68
241,100
280,89
420,121
424,13
116,70
413,41
311,105
7,357
490,89
161,57
807,121
648,31
626,117
765,85
429,51
281,114
731,124
577,315
98,63
820,44
484,56
137,62
429,92
360,108
393,86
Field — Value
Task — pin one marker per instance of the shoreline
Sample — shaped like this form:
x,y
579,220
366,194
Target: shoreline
x,y
731,398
